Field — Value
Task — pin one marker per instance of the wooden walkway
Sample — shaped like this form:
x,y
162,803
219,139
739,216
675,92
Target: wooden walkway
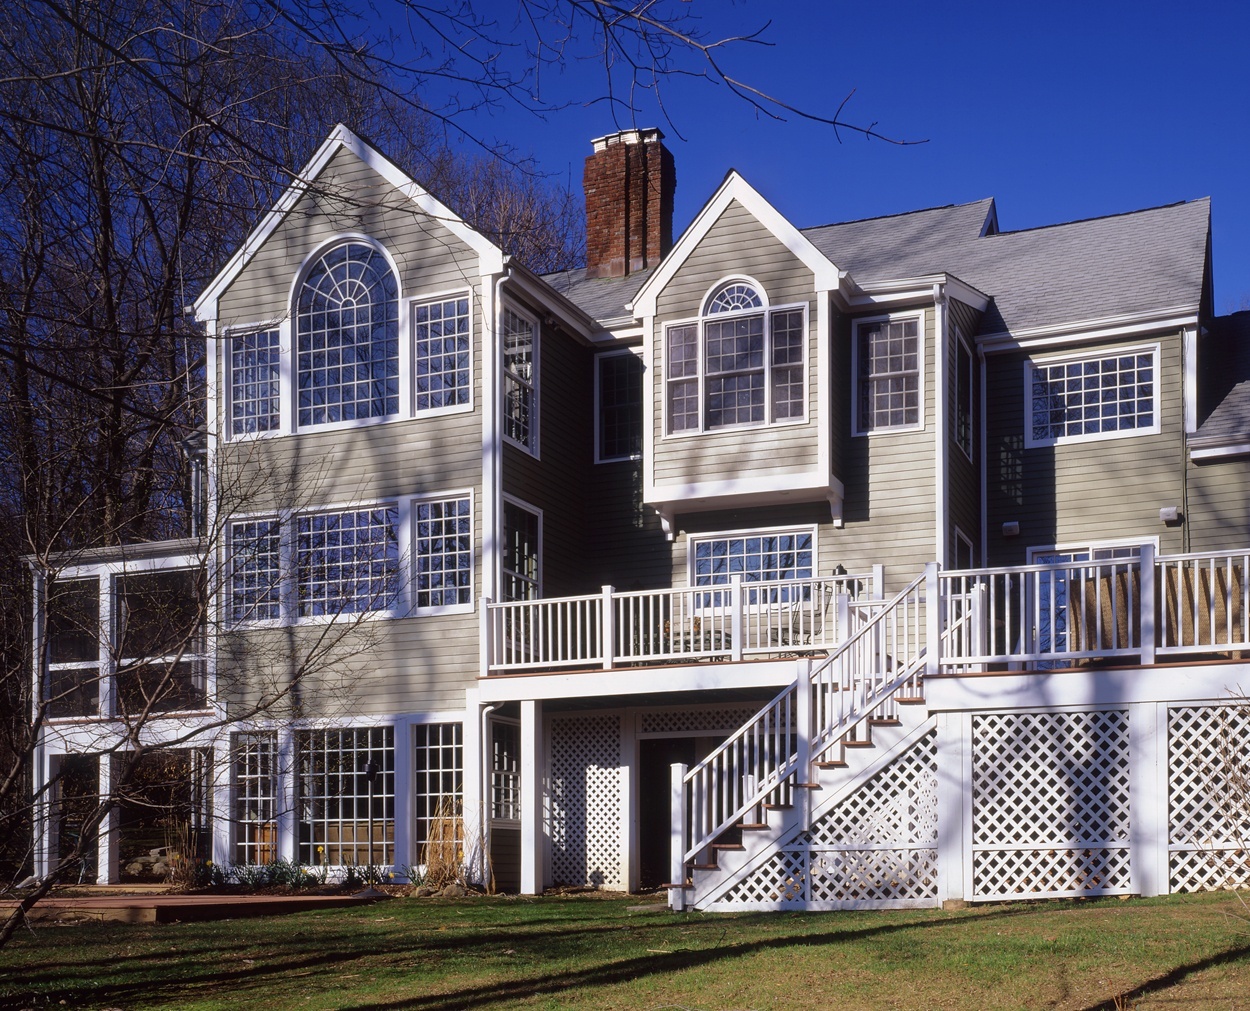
x,y
183,908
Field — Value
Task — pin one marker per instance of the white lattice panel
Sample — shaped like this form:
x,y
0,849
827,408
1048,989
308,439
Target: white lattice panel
x,y
1017,873
693,721
877,846
1050,804
586,801
1208,813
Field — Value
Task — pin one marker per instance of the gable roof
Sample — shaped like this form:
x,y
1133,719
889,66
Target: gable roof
x,y
341,138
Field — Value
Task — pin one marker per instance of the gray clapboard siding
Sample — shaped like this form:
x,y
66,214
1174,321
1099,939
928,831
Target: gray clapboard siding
x,y
964,475
1102,489
890,503
348,196
1217,513
628,549
736,244
556,482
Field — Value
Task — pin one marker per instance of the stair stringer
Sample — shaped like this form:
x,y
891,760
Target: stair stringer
x,y
786,827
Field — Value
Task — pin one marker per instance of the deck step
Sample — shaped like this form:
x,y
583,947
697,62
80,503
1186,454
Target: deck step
x,y
857,744
752,826
832,764
885,721
909,700
808,786
728,846
703,867
778,807
670,884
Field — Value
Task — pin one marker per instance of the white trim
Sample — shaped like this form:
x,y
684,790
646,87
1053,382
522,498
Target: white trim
x,y
1189,363
941,420
1215,452
734,188
491,437
786,485
533,447
824,387
429,299
921,315
470,606
1090,546
693,540
341,138
598,406
908,289
1108,327
226,404
972,554
1031,364
743,279
533,510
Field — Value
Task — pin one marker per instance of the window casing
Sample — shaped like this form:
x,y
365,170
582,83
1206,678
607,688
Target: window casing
x,y
443,553
742,364
441,353
255,382
255,761
755,555
522,552
339,805
347,337
437,790
505,771
520,380
889,354
347,562
1108,395
618,418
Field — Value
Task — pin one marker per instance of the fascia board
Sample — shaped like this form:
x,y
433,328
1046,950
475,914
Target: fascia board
x,y
490,255
1107,327
734,188
569,315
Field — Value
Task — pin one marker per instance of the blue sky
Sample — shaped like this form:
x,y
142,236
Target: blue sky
x,y
1060,111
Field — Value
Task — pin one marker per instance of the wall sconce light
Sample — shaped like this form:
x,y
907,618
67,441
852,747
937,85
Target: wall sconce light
x,y
1170,515
1011,528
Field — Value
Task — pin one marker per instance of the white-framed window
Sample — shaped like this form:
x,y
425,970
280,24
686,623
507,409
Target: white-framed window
x,y
72,629
755,555
442,550
505,771
347,337
522,551
520,380
346,796
255,382
965,557
618,399
347,562
1101,395
889,384
441,353
741,364
255,772
964,394
255,580
437,791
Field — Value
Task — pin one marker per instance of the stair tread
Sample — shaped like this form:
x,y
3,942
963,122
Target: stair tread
x,y
778,807
838,764
752,826
808,786
886,722
704,867
727,846
673,884
909,700
857,744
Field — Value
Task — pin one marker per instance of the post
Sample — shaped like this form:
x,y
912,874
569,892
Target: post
x,y
735,619
1148,788
485,637
677,836
843,630
531,798
878,582
933,620
1147,604
803,727
980,620
607,628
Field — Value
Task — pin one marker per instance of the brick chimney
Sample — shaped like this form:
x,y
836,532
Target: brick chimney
x,y
629,183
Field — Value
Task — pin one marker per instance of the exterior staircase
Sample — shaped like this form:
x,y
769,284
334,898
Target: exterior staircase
x,y
826,798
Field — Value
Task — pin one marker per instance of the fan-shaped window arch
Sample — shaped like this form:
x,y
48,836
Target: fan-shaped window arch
x,y
347,336
741,363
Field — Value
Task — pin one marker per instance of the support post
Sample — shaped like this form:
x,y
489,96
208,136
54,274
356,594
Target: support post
x,y
954,792
736,624
287,772
485,638
1147,604
108,847
803,721
677,836
878,582
607,628
843,630
1148,788
531,798
933,620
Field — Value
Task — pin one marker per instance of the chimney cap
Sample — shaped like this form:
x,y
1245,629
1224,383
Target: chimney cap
x,y
650,135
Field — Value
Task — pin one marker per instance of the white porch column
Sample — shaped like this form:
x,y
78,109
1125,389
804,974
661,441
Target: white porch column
x,y
401,847
287,822
44,810
532,748
475,753
954,805
221,803
677,835
1148,797
109,845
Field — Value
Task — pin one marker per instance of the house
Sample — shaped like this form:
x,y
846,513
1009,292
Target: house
x,y
876,563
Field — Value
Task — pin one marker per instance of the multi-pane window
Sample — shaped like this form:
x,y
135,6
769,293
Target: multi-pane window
x,y
741,365
505,771
521,530
441,353
254,382
520,390
620,406
437,791
347,337
889,354
754,556
347,562
443,552
159,628
346,796
73,630
255,758
1092,396
963,395
255,570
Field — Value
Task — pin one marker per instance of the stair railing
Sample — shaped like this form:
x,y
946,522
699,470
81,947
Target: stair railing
x,y
756,765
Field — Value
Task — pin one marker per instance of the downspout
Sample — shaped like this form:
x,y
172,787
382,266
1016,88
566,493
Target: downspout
x,y
985,467
940,434
484,793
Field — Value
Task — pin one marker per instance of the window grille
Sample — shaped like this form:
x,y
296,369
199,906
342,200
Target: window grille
x,y
620,406
1092,396
255,797
441,353
255,570
520,380
443,552
521,577
254,382
889,374
505,776
338,810
438,786
348,562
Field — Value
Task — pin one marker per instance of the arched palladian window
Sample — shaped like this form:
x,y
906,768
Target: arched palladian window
x,y
740,364
347,337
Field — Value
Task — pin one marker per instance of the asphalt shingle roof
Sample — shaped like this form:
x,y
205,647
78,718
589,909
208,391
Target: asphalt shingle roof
x,y
601,298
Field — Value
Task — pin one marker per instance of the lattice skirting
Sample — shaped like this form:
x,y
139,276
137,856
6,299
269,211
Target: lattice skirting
x,y
1209,813
587,847
1050,802
876,848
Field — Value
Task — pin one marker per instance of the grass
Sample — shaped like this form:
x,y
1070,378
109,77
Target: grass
x,y
578,952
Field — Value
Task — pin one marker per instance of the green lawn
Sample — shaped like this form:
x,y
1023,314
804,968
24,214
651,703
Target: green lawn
x,y
1187,951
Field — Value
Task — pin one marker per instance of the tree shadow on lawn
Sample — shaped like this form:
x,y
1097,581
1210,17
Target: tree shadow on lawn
x,y
1171,978
317,951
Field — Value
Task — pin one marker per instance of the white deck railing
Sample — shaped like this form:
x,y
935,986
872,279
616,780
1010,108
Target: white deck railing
x,y
728,621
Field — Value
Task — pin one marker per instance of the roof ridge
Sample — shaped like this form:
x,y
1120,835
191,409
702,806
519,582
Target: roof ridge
x,y
899,214
1099,217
